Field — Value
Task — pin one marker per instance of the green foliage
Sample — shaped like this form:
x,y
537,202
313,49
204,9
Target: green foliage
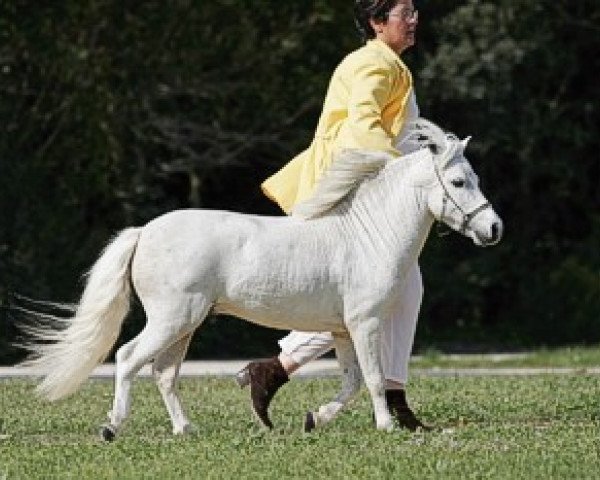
x,y
518,76
536,427
115,112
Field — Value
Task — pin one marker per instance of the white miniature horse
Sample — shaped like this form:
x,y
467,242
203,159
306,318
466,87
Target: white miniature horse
x,y
335,265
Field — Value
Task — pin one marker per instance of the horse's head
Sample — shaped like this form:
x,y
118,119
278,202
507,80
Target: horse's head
x,y
455,198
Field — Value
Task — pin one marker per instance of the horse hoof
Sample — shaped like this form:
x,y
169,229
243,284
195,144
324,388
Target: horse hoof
x,y
309,422
107,433
187,429
243,377
386,426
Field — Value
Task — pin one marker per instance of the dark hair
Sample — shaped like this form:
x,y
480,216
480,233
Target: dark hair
x,y
365,10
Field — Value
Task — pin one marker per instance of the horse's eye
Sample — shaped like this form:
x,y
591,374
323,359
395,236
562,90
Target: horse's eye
x,y
458,183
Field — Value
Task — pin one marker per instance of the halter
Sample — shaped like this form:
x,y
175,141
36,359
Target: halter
x,y
424,140
467,217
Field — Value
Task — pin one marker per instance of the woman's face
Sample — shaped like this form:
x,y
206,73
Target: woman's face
x,y
399,30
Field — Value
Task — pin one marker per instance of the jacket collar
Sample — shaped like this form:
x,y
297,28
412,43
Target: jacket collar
x,y
384,49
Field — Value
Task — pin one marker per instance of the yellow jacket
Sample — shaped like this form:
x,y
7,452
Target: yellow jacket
x,y
365,107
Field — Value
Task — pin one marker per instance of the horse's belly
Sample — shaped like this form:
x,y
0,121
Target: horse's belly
x,y
293,313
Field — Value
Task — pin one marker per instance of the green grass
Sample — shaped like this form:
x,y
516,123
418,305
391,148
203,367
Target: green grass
x,y
567,357
545,427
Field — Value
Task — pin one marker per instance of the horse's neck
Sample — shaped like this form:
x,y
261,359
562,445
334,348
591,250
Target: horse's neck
x,y
390,214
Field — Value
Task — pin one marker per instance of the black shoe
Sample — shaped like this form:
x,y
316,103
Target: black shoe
x,y
265,377
401,412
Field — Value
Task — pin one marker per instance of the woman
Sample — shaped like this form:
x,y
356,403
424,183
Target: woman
x,y
369,100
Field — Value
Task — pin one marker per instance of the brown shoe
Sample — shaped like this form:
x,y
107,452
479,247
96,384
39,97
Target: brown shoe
x,y
403,415
265,377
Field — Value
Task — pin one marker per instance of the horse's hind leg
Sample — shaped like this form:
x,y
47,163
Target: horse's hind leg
x,y
165,326
166,371
130,358
121,404
350,384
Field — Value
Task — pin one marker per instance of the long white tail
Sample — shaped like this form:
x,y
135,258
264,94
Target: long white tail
x,y
65,357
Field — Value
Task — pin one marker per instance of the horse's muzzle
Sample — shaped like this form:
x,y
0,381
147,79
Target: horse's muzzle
x,y
494,235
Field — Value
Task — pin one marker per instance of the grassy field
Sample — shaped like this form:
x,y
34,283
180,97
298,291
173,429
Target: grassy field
x,y
545,427
567,357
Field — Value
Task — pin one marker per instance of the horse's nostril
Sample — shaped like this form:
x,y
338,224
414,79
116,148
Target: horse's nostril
x,y
495,231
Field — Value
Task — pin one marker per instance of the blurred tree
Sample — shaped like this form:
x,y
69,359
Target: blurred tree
x,y
115,112
520,77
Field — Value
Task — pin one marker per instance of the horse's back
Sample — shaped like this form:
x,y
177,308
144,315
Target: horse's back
x,y
188,243
183,247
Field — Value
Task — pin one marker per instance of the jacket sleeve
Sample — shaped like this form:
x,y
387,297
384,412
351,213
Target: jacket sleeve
x,y
371,87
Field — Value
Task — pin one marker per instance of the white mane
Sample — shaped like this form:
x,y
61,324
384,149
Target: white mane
x,y
351,167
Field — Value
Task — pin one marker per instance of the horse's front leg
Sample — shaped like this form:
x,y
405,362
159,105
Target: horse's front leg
x,y
350,383
366,335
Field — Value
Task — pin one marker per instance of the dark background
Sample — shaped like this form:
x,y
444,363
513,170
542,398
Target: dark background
x,y
113,112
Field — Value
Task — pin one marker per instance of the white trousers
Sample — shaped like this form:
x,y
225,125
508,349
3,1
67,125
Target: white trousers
x,y
397,334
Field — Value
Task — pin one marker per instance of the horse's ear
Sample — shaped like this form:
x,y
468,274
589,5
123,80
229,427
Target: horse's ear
x,y
464,143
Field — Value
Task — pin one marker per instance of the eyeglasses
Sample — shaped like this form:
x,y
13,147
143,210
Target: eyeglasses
x,y
406,15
